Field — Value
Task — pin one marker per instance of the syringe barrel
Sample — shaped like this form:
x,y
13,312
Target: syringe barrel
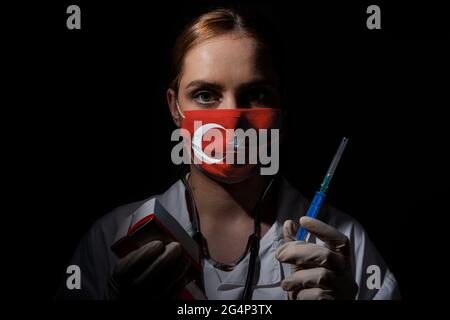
x,y
312,212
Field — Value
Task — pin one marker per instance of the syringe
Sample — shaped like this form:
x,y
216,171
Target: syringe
x,y
320,195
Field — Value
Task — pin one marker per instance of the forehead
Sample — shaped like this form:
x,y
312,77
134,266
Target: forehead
x,y
223,59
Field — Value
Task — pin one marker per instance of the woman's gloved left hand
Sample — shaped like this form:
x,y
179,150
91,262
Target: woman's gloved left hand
x,y
318,272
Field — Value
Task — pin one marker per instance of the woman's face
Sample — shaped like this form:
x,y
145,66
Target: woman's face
x,y
226,72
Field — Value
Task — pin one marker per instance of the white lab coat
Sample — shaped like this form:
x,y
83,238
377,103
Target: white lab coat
x,y
96,259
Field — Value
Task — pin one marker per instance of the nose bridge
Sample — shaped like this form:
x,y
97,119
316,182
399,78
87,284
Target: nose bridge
x,y
229,100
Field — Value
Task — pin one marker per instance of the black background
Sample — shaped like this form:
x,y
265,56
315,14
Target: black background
x,y
95,128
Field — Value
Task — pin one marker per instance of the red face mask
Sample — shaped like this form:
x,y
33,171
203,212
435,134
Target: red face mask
x,y
214,140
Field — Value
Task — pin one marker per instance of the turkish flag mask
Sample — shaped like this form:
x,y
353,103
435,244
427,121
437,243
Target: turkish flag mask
x,y
225,143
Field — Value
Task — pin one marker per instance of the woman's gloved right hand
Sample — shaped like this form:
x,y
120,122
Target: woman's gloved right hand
x,y
154,271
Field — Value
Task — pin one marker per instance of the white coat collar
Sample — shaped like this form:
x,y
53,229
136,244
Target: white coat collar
x,y
291,205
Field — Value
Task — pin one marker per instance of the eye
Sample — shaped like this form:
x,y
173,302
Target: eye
x,y
257,95
205,97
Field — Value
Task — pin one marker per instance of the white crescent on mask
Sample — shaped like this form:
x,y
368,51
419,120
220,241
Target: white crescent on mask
x,y
197,143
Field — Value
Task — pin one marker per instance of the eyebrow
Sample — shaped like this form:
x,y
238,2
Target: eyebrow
x,y
256,83
218,86
202,83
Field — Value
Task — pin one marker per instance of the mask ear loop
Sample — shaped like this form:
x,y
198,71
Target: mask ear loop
x,y
179,110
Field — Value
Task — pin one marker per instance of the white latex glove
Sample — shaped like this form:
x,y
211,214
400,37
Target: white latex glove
x,y
318,272
154,271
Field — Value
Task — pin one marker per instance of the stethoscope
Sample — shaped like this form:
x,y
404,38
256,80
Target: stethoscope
x,y
252,244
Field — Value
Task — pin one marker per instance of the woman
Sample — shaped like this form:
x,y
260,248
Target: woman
x,y
224,68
